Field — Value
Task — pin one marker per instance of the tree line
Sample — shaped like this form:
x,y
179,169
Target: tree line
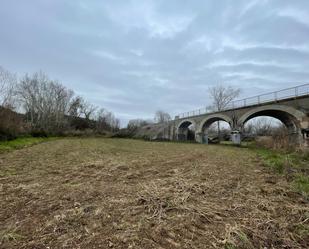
x,y
48,107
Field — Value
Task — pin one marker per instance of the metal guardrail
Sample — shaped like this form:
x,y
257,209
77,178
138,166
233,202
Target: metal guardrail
x,y
292,92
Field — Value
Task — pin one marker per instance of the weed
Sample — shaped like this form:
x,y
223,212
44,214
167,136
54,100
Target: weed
x,y
301,184
229,246
10,235
272,159
236,238
293,165
302,229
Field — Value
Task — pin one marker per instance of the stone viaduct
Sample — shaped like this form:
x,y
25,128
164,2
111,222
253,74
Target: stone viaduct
x,y
290,106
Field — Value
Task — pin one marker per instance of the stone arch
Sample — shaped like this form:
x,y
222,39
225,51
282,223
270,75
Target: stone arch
x,y
183,129
213,118
289,116
186,121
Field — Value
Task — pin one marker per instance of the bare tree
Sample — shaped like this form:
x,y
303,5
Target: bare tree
x,y
8,83
106,120
87,109
264,126
162,117
116,124
75,107
222,96
45,102
49,106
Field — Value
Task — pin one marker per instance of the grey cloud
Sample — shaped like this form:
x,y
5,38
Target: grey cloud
x,y
133,57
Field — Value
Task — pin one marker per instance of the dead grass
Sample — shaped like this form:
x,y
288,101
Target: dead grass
x,y
117,193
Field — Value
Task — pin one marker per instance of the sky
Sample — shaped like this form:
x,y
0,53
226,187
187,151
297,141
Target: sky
x,y
135,57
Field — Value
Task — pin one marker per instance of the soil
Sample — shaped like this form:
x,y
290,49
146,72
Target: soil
x,y
118,193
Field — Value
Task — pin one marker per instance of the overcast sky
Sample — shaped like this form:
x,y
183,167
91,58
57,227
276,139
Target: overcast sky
x,y
134,57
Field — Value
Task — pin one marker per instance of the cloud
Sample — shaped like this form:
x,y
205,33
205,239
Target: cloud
x,y
144,16
133,57
109,56
137,52
298,15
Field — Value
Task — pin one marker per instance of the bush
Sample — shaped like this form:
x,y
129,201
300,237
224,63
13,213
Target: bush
x,y
39,133
125,133
264,141
6,136
84,133
12,124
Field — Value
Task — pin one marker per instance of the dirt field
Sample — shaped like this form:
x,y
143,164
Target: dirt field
x,y
113,193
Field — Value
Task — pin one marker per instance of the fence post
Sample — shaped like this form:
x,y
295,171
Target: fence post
x,y
296,91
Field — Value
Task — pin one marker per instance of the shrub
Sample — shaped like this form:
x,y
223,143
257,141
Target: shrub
x,y
12,124
39,133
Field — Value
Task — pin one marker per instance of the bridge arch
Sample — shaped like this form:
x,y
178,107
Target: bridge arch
x,y
206,122
183,131
186,121
289,116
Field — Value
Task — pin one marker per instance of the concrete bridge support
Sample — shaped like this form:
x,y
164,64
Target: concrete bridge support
x,y
199,137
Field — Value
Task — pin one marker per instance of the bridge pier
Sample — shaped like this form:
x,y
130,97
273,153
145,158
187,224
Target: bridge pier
x,y
181,134
236,137
199,137
305,136
298,139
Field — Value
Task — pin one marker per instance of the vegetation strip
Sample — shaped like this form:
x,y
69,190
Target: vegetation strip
x,y
22,142
293,165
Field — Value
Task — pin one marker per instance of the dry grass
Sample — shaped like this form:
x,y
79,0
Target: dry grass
x,y
116,193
